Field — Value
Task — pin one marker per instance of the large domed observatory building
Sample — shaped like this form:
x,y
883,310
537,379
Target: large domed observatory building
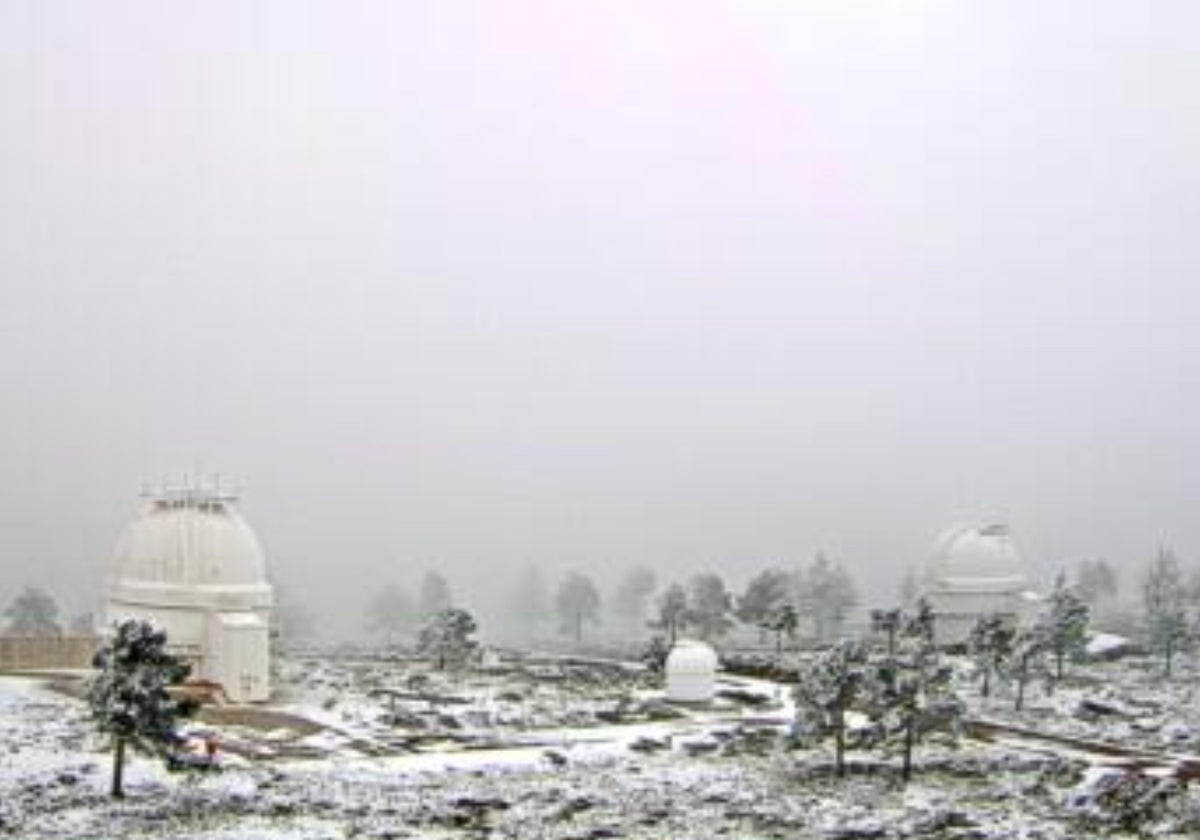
x,y
974,571
191,565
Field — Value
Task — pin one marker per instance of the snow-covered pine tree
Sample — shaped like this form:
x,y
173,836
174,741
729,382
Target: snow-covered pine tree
x,y
990,646
33,613
826,690
1165,601
672,612
709,606
129,698
764,594
446,637
1064,624
912,689
1027,660
783,621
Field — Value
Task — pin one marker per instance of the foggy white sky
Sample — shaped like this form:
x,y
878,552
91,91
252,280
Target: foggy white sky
x,y
697,284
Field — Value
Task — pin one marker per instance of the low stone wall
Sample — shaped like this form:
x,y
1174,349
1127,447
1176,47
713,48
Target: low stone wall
x,y
22,653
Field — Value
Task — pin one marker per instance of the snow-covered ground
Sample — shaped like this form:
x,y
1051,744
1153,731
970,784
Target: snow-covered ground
x,y
539,755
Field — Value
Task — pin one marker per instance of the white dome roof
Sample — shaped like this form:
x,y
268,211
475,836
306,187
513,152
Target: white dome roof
x,y
692,658
972,555
691,672
190,541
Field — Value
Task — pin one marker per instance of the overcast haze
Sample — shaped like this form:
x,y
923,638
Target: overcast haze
x,y
696,284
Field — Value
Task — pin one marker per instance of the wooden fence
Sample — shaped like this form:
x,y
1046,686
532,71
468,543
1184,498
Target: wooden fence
x,y
24,653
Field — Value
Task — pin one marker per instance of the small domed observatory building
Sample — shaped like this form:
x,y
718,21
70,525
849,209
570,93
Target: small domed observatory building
x,y
691,670
191,565
974,571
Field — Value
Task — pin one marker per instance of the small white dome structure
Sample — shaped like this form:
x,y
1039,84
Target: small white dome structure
x,y
190,564
974,571
691,670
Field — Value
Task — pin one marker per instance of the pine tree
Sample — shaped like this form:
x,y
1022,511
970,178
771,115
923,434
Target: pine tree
x,y
765,593
991,645
577,601
912,689
1165,603
129,698
1064,624
827,689
709,606
447,637
783,622
672,609
33,613
1027,661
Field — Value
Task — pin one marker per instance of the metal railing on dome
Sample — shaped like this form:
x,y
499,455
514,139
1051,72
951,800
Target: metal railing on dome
x,y
204,492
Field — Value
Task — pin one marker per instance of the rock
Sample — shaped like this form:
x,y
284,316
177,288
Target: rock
x,y
699,746
1091,709
575,806
407,720
646,744
662,711
743,697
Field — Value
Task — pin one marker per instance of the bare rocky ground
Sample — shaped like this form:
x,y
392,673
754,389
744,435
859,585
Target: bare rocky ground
x,y
569,751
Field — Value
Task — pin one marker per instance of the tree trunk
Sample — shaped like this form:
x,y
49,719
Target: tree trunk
x,y
839,741
906,773
1020,691
1170,655
118,789
987,682
778,643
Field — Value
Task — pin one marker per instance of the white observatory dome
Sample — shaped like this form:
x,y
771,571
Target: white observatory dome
x,y
973,572
975,557
202,543
190,564
691,672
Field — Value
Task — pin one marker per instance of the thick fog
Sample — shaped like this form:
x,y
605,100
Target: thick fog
x,y
700,285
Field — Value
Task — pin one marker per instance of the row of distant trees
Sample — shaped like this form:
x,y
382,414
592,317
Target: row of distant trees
x,y
815,600
782,604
